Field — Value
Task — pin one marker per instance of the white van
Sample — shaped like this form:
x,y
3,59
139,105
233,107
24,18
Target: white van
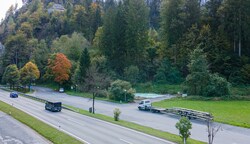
x,y
145,105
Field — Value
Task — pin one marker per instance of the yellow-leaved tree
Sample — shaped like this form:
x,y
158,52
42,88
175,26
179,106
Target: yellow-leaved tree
x,y
29,73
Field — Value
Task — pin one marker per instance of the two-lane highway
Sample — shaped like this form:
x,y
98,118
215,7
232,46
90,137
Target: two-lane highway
x,y
87,129
228,135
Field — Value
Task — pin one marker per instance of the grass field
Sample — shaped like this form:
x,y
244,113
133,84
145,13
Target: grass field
x,y
230,112
50,133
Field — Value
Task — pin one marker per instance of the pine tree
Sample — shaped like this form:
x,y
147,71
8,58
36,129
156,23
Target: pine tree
x,y
198,78
84,64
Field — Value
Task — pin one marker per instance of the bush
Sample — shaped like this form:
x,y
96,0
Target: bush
x,y
217,86
102,93
121,91
245,72
117,113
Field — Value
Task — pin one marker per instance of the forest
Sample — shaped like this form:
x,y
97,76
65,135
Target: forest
x,y
116,44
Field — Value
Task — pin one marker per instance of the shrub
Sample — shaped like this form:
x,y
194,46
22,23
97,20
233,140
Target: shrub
x,y
245,72
217,86
121,91
117,113
102,93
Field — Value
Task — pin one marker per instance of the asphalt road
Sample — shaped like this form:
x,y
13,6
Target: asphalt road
x,y
84,128
227,135
14,132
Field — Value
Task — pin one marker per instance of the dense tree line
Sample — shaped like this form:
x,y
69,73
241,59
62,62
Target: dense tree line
x,y
133,40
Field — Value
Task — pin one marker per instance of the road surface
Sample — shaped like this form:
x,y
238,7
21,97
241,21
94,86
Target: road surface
x,y
227,135
14,132
89,130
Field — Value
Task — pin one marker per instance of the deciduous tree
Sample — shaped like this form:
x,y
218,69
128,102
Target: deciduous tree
x,y
59,66
11,75
184,125
29,73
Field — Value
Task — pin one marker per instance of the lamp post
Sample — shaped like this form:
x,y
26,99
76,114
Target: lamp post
x,y
93,104
125,99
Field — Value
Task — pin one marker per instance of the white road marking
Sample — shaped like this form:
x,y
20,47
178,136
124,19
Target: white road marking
x,y
126,141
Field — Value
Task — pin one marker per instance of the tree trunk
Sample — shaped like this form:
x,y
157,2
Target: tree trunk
x,y
239,32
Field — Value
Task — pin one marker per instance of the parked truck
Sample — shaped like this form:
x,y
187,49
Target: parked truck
x,y
146,105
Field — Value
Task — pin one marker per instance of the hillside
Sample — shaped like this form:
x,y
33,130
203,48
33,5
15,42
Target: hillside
x,y
134,40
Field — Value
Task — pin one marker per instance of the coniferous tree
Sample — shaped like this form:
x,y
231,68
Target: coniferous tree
x,y
197,80
84,64
136,35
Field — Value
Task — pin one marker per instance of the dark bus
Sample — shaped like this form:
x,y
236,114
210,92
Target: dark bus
x,y
53,106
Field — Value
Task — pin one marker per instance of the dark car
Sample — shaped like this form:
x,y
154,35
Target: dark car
x,y
53,106
14,95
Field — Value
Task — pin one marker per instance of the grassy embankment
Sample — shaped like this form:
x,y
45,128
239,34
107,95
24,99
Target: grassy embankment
x,y
144,129
230,112
52,134
233,109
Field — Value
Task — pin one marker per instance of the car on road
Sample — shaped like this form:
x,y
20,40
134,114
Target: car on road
x,y
14,95
53,106
61,90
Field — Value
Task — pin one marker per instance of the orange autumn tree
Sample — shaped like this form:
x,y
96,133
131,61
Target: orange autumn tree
x,y
59,66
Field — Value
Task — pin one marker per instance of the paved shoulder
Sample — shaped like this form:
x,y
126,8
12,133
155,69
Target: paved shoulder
x,y
14,132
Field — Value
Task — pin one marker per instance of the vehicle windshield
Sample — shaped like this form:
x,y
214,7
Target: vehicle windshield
x,y
141,102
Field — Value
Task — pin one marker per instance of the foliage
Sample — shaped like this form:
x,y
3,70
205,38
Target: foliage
x,y
245,71
157,88
16,50
29,73
125,24
95,80
121,91
11,75
231,112
72,46
200,81
117,113
184,125
198,78
84,64
217,86
59,67
131,74
140,33
41,56
167,74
